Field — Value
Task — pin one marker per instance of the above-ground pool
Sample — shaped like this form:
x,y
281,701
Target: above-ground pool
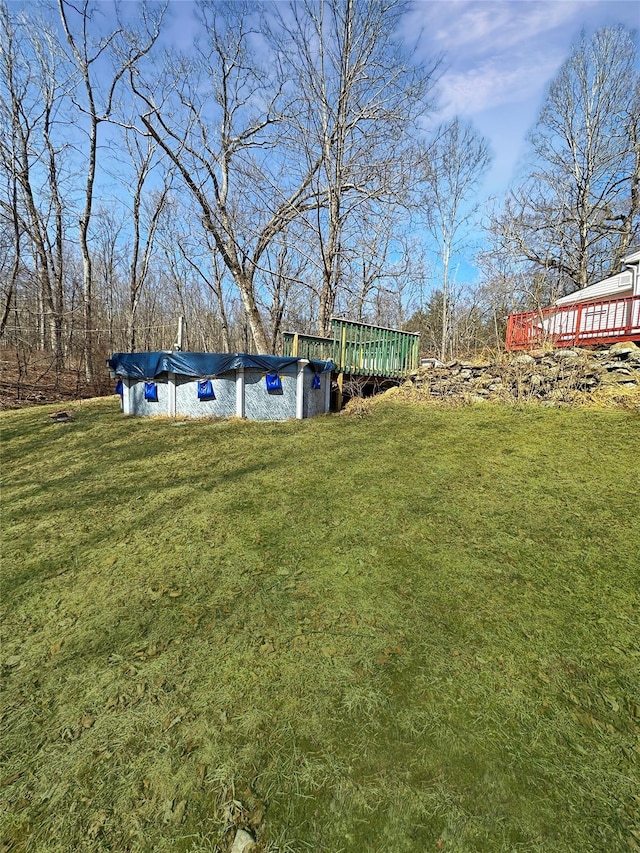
x,y
201,384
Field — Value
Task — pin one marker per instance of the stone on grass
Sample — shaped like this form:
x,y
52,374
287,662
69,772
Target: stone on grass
x,y
61,417
244,842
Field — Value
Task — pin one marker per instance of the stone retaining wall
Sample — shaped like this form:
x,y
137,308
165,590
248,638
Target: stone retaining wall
x,y
548,376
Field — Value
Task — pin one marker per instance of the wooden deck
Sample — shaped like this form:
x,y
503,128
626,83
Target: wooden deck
x,y
595,323
359,349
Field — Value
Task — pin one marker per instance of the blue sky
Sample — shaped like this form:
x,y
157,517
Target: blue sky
x,y
500,56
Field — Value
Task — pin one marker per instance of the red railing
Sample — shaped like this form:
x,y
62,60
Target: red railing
x,y
582,324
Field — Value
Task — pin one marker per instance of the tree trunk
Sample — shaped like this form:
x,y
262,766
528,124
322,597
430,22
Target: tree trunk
x,y
260,340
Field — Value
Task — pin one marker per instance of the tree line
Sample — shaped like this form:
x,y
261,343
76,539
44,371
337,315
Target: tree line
x,y
276,171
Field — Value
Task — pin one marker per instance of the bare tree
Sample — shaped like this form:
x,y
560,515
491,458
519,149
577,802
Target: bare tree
x,y
358,94
377,264
198,280
145,219
285,272
215,116
192,254
108,245
91,56
579,210
452,168
31,94
10,245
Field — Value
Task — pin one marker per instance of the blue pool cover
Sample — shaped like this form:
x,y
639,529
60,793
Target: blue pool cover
x,y
148,365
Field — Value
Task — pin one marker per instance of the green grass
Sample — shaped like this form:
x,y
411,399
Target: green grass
x,y
413,631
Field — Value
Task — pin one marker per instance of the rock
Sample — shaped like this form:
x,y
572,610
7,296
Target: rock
x,y
548,377
244,842
61,417
622,377
624,349
566,354
613,365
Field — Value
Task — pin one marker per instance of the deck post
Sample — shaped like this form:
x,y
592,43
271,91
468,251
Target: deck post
x,y
341,366
629,311
294,348
343,346
339,397
578,324
509,336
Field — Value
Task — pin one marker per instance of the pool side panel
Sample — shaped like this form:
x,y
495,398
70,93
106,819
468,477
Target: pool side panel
x,y
188,404
262,405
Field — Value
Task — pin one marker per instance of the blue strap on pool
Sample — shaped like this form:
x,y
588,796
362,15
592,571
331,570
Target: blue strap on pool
x,y
205,390
151,392
274,383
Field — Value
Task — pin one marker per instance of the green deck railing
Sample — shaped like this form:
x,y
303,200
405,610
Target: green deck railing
x,y
308,346
359,348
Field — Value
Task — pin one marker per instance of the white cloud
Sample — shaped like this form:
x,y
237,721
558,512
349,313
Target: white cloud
x,y
182,25
496,53
478,28
492,83
499,57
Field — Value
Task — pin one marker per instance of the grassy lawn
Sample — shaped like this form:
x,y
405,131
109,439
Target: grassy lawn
x,y
413,631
